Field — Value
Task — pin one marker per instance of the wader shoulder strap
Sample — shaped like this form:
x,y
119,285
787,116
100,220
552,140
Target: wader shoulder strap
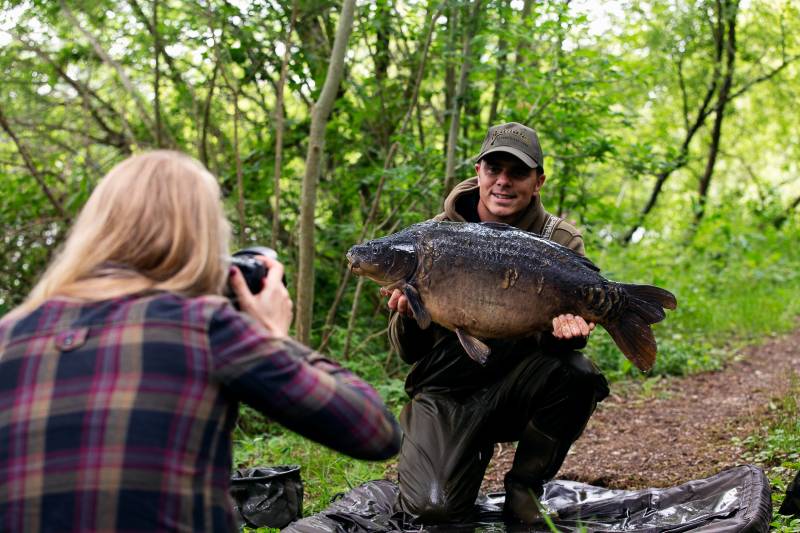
x,y
550,227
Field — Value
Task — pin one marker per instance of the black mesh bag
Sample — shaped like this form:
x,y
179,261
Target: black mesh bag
x,y
270,496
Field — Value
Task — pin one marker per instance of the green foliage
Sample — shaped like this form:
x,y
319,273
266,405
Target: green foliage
x,y
733,286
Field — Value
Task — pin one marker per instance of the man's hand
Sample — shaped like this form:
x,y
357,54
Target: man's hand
x,y
569,326
397,301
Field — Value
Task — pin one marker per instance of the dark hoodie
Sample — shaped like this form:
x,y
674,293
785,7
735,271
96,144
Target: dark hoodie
x,y
440,362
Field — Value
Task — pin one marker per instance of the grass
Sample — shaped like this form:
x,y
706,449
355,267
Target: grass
x,y
732,289
325,473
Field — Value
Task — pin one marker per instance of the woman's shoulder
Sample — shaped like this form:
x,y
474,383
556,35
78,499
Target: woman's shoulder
x,y
152,309
146,307
198,310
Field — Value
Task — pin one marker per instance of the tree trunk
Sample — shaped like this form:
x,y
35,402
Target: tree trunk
x,y
239,177
727,14
523,46
319,119
207,114
455,114
157,79
450,68
388,163
235,88
279,128
351,322
500,70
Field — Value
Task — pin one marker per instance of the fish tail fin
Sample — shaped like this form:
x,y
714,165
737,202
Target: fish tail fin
x,y
644,305
634,337
648,295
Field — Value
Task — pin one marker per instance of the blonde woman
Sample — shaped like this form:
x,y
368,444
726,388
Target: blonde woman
x,y
121,374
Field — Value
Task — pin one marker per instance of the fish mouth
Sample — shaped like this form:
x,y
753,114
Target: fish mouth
x,y
354,264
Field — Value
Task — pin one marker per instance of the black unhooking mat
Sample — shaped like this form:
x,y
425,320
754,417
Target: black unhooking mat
x,y
737,499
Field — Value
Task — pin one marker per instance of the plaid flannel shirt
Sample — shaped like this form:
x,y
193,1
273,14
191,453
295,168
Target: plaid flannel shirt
x,y
117,415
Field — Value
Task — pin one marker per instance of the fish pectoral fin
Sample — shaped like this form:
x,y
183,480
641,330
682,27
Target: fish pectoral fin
x,y
420,313
475,348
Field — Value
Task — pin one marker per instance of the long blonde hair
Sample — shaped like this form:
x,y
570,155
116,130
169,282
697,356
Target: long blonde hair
x,y
155,221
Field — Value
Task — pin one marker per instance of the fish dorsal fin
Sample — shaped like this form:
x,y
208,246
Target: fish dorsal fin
x,y
585,261
588,262
500,226
582,259
420,313
475,348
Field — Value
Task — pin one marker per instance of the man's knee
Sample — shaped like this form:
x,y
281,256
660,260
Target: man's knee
x,y
586,380
434,504
576,388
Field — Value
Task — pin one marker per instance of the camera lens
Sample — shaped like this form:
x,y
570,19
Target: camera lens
x,y
252,269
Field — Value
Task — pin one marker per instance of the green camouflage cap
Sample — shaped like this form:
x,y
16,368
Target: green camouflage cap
x,y
515,139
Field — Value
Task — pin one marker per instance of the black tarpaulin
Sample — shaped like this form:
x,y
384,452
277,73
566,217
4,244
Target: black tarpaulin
x,y
737,499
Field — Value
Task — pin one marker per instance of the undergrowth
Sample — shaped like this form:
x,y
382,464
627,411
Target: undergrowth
x,y
776,448
732,290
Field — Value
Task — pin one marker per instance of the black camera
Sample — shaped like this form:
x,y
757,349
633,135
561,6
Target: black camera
x,y
253,271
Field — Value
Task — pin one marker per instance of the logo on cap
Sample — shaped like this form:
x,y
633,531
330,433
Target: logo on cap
x,y
510,131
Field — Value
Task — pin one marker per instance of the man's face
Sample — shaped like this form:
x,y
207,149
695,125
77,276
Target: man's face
x,y
507,186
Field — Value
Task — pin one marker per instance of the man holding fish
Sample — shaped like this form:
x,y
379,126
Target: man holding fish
x,y
539,390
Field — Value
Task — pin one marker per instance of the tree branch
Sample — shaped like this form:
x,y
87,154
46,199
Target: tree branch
x,y
703,113
115,138
26,157
765,77
126,82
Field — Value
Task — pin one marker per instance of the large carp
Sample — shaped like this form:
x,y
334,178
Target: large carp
x,y
490,280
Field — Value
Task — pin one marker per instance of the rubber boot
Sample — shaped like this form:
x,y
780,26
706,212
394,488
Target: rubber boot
x,y
537,460
791,503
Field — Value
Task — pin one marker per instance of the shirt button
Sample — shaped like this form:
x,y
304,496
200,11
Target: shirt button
x,y
69,339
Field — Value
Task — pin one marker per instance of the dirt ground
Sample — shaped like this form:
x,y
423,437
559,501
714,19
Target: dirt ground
x,y
677,429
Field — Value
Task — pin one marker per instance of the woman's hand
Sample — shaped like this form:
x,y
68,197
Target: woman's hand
x,y
272,307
